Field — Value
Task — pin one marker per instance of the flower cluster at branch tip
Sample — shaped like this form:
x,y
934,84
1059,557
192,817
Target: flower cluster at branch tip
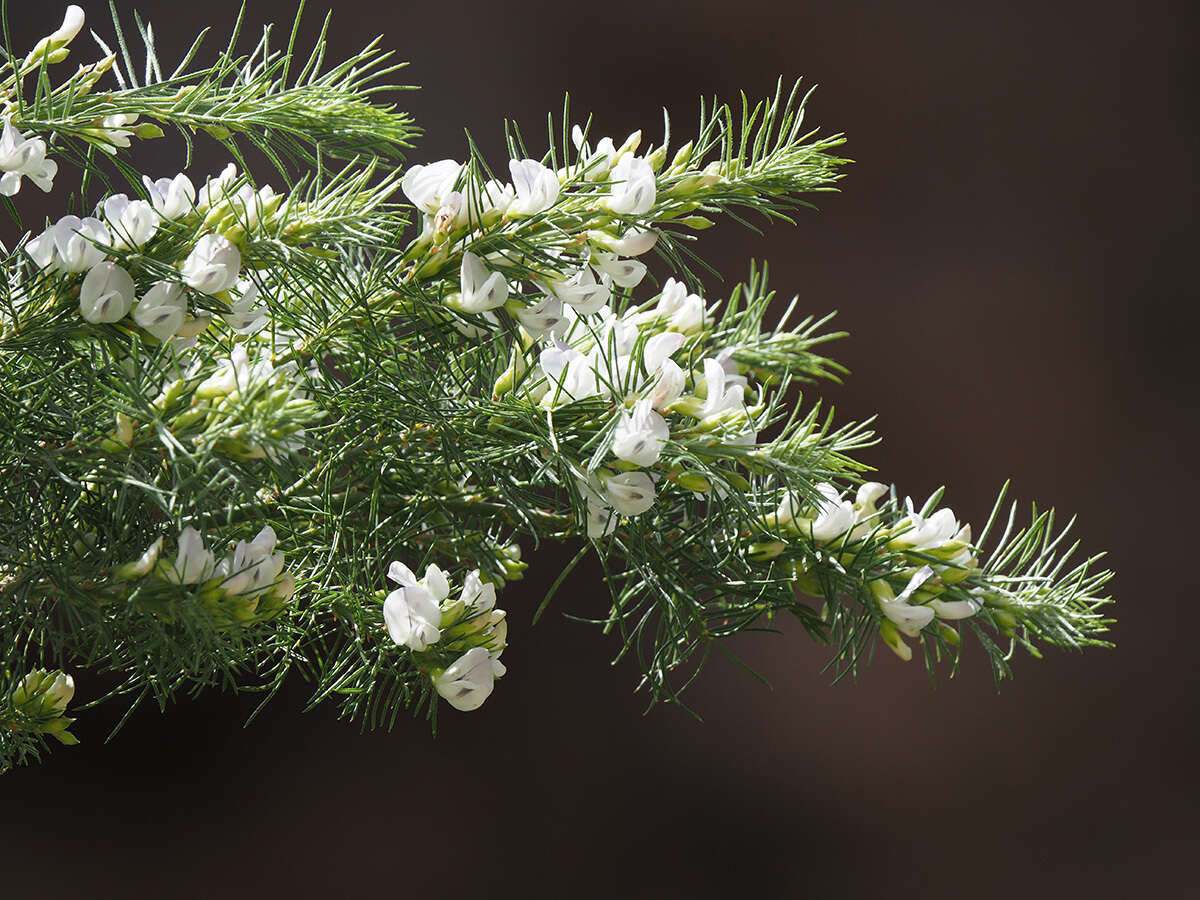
x,y
38,703
248,583
938,547
420,615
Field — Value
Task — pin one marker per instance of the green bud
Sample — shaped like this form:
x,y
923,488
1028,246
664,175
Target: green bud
x,y
696,223
220,132
1006,620
657,158
949,635
767,550
147,131
681,159
694,481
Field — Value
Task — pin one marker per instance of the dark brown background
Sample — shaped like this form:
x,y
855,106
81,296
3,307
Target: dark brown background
x,y
1013,254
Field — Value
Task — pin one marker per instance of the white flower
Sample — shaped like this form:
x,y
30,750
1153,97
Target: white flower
x,y
213,264
624,273
193,563
131,222
907,618
640,438
469,681
582,292
143,564
601,520
216,188
162,309
60,37
683,311
428,186
670,385
59,693
572,372
253,567
722,392
243,316
659,349
634,242
835,516
957,609
481,290
597,162
536,187
113,133
544,317
69,245
236,374
631,493
106,294
864,507
23,157
171,197
633,188
412,613
476,594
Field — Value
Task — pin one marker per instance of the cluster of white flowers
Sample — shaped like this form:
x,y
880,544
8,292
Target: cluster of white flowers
x,y
451,201
420,614
108,292
836,521
23,157
251,575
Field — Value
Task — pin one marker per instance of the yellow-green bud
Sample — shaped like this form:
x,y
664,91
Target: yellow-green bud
x,y
694,481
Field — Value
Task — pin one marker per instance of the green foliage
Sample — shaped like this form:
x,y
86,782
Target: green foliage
x,y
371,419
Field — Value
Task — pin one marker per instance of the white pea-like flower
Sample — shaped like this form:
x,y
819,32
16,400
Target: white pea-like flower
x,y
481,290
723,392
107,293
907,618
213,264
469,680
60,692
625,273
639,438
131,222
634,242
683,311
113,133
835,516
544,318
253,567
669,387
659,348
427,186
536,187
598,162
69,245
633,187
582,292
217,188
244,315
193,563
631,493
23,157
171,197
162,309
62,36
412,613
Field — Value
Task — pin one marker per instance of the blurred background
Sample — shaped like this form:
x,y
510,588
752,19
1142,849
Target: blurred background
x,y
1010,252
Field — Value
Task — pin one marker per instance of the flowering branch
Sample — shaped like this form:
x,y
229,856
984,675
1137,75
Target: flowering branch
x,y
236,422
